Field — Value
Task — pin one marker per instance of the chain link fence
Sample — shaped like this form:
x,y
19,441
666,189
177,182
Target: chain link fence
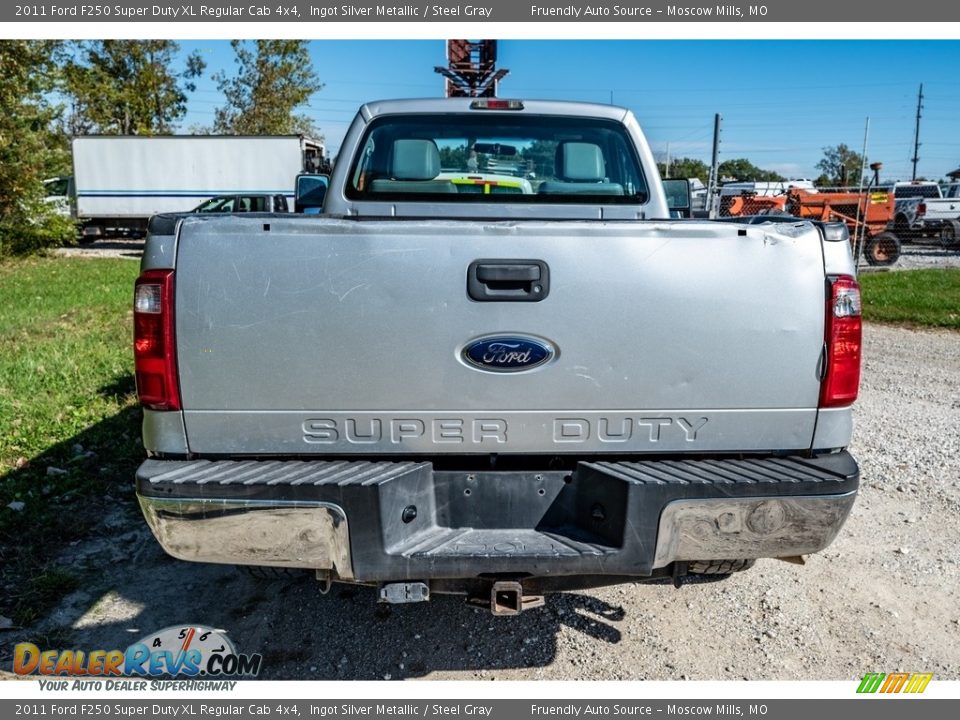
x,y
879,220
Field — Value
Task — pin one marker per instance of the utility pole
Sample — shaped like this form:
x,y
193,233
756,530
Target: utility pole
x,y
916,134
859,238
714,181
666,166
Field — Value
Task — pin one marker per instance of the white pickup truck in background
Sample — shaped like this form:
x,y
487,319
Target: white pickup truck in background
x,y
456,381
942,215
924,210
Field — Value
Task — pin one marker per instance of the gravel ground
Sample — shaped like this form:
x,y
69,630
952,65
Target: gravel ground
x,y
883,597
929,255
112,247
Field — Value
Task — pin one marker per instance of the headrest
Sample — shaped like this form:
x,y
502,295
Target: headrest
x,y
415,160
580,162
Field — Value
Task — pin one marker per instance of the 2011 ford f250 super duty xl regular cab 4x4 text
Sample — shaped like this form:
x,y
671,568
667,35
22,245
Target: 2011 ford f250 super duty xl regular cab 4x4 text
x,y
491,387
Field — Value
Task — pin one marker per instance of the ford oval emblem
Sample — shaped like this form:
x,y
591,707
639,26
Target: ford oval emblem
x,y
508,353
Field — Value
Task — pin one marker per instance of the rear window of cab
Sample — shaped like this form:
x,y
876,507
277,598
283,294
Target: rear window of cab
x,y
519,158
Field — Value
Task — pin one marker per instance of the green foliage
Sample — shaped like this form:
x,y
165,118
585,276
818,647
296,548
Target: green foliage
x,y
29,149
913,297
274,78
454,158
841,165
740,168
686,168
542,156
128,87
66,402
745,171
33,226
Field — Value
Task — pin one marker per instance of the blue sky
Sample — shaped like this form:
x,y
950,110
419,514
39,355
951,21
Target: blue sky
x,y
782,101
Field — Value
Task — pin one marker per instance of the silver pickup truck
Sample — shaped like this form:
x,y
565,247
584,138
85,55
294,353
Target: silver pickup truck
x,y
494,367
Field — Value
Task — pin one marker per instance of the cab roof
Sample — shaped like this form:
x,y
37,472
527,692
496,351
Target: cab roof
x,y
463,105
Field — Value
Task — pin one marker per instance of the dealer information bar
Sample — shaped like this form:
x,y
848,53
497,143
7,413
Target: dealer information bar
x,y
773,709
483,10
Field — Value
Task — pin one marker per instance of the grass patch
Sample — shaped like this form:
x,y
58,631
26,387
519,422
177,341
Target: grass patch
x,y
44,591
69,435
928,298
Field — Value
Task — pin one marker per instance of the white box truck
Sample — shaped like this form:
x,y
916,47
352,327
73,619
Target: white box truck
x,y
120,181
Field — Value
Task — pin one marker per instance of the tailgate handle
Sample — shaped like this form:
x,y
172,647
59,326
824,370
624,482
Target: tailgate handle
x,y
507,273
508,280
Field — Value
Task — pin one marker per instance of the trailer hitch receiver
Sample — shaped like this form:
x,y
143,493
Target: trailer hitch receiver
x,y
507,598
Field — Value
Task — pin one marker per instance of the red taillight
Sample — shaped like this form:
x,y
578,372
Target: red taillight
x,y
154,348
496,104
841,381
921,209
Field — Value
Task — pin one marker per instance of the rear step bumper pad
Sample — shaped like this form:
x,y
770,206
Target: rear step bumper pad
x,y
391,521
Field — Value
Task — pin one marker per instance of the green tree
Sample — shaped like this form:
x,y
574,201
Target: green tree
x,y
745,171
128,87
686,168
29,151
453,158
841,165
274,79
541,157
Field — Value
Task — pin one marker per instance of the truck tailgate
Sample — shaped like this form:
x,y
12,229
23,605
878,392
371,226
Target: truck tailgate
x,y
306,336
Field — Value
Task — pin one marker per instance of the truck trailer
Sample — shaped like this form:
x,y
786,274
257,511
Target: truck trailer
x,y
120,181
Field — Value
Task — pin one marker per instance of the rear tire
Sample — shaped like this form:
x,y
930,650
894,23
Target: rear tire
x,y
273,573
882,249
719,567
950,234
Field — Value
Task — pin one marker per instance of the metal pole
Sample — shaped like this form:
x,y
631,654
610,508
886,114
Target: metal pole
x,y
666,167
714,180
860,231
863,156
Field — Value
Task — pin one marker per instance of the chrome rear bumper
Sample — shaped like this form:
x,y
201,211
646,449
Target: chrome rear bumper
x,y
272,533
749,527
384,522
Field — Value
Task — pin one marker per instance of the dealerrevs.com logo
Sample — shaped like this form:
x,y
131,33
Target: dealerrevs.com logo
x,y
911,683
188,651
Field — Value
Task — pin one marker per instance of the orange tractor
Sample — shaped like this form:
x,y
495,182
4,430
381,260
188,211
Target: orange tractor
x,y
752,204
867,215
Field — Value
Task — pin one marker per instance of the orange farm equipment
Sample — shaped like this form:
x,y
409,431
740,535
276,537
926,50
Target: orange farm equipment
x,y
752,204
866,214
